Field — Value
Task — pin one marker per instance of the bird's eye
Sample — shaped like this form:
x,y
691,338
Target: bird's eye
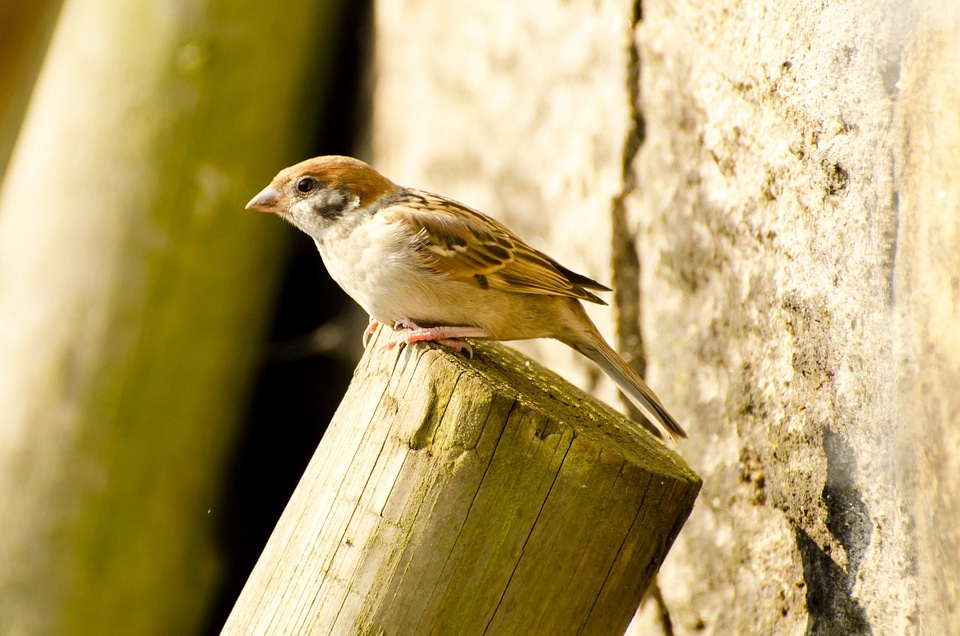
x,y
306,184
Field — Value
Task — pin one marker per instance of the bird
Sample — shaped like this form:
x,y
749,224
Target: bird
x,y
438,270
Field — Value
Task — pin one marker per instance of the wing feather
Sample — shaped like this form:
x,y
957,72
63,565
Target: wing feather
x,y
467,245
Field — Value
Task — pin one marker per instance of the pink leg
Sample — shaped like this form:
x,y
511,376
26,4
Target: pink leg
x,y
446,336
371,329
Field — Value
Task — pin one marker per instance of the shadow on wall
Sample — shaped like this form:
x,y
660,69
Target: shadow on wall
x,y
830,603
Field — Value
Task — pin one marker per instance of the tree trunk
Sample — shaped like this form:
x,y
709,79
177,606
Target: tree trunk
x,y
25,29
133,291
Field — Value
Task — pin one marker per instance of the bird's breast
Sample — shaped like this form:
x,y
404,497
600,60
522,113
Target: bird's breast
x,y
374,263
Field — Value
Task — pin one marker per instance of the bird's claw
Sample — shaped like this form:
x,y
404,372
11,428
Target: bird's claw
x,y
444,336
457,345
371,329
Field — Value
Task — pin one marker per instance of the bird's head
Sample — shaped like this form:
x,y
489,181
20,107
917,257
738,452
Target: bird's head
x,y
316,193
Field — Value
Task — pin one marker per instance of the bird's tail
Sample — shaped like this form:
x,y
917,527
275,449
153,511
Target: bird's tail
x,y
628,380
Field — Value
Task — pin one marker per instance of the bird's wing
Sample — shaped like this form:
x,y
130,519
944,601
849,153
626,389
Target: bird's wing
x,y
464,244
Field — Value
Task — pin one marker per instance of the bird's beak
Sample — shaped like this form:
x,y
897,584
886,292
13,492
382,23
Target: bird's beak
x,y
268,200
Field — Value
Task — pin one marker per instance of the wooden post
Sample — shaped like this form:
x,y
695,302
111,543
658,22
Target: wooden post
x,y
464,496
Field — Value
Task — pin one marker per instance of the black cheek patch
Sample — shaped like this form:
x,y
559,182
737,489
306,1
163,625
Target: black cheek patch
x,y
332,204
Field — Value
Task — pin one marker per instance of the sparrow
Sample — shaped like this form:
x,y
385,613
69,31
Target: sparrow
x,y
439,271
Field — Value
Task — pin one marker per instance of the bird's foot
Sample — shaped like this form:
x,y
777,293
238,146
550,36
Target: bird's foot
x,y
371,329
446,336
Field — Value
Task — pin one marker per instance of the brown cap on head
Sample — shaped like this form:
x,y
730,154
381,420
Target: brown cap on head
x,y
337,171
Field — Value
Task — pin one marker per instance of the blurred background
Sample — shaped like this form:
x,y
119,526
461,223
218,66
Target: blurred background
x,y
168,360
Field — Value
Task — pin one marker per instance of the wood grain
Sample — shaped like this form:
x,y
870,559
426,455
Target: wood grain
x,y
468,496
